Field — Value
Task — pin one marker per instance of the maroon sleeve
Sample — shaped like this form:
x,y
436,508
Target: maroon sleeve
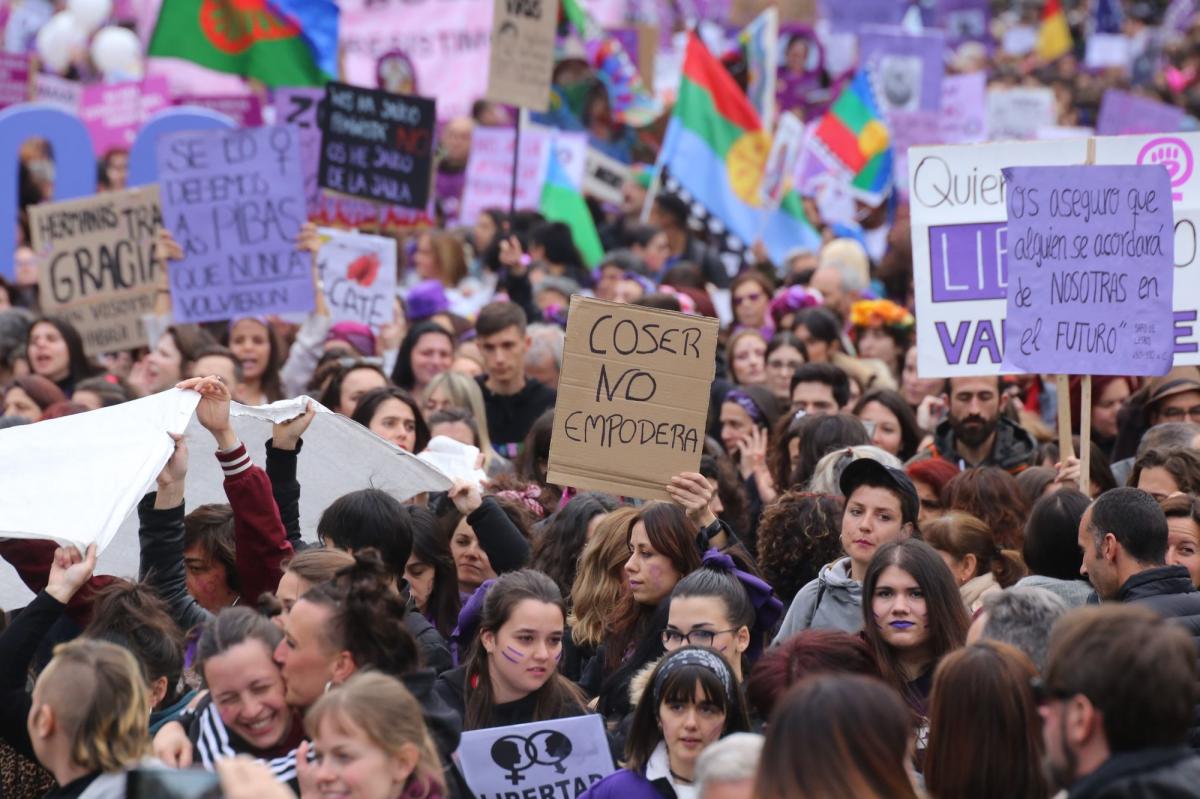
x,y
261,539
32,557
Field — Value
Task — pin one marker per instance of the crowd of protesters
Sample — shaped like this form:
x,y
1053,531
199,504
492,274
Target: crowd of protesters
x,y
876,584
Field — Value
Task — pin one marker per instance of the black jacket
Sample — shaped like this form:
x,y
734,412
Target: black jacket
x,y
1168,590
1013,450
509,416
435,655
452,689
1169,773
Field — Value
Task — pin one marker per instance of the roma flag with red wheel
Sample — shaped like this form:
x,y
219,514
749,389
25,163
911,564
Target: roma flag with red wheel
x,y
1054,35
716,149
281,43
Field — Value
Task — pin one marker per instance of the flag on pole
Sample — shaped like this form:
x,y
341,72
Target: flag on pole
x,y
562,201
717,150
1054,35
252,38
854,139
632,103
759,42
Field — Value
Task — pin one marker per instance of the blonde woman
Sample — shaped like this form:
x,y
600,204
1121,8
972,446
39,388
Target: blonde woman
x,y
454,390
371,743
600,582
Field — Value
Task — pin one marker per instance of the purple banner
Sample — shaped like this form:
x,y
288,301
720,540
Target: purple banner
x,y
1122,112
1091,261
244,109
14,79
114,112
968,261
964,21
234,201
849,16
907,67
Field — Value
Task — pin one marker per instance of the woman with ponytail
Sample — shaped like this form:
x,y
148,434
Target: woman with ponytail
x,y
371,744
978,564
512,674
720,607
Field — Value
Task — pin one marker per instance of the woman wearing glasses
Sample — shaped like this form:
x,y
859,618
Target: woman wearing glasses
x,y
751,293
723,609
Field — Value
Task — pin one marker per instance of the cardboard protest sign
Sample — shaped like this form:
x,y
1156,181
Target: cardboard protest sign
x,y
14,78
359,275
114,112
906,67
960,240
97,266
1178,153
244,109
1122,112
632,398
544,758
234,201
376,145
1019,113
522,52
1090,262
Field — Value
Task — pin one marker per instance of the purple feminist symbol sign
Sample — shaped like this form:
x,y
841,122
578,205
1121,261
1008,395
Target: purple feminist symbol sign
x,y
1090,270
1173,153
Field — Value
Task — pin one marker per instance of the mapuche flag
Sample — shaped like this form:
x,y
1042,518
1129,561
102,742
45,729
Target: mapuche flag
x,y
253,38
717,149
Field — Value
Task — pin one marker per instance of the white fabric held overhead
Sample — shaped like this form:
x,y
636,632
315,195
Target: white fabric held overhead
x,y
76,478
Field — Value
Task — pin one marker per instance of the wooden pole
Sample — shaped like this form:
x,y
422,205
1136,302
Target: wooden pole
x,y
1085,435
1066,449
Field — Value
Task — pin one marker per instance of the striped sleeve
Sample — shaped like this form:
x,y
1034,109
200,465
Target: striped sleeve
x,y
234,461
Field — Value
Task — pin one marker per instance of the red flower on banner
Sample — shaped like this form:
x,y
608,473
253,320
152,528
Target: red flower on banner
x,y
234,26
364,269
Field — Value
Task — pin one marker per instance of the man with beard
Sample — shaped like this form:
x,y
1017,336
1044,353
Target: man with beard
x,y
975,433
1116,699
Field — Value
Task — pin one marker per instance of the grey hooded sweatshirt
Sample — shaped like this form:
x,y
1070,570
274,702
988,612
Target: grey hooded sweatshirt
x,y
832,601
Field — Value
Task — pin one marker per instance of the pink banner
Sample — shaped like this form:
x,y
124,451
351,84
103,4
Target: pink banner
x,y
113,112
446,40
14,79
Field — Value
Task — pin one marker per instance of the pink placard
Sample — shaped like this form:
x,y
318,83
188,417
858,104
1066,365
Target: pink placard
x,y
14,79
113,112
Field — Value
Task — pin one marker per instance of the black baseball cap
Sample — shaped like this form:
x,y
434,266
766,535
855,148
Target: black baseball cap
x,y
868,471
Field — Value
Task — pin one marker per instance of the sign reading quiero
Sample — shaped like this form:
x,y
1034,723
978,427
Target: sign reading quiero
x,y
632,399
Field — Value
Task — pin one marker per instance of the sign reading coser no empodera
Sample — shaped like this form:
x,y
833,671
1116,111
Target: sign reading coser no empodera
x,y
632,398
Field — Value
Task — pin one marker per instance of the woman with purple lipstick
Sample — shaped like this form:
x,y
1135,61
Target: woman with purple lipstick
x,y
512,675
881,507
913,616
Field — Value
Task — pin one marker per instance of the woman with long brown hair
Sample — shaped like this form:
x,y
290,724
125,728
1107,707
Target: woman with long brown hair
x,y
913,615
978,564
598,588
859,748
662,550
512,675
985,734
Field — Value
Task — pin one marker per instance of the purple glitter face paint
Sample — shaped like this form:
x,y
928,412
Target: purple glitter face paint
x,y
512,654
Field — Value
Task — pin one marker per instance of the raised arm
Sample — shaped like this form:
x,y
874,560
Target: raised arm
x,y
259,536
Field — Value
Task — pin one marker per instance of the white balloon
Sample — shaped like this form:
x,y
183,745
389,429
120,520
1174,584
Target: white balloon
x,y
91,14
59,40
117,52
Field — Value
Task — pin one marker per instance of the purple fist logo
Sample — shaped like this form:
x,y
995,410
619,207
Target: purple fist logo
x,y
1174,154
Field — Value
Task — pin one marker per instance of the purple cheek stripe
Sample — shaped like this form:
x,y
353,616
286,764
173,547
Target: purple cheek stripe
x,y
513,654
558,657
